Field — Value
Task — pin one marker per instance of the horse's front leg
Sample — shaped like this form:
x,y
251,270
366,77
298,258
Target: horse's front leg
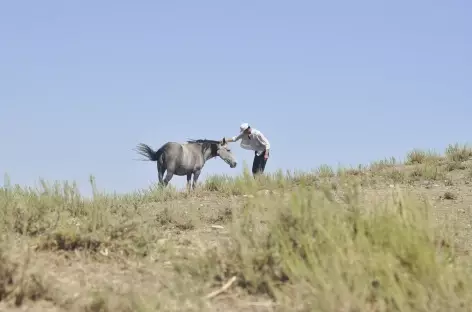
x,y
189,177
196,174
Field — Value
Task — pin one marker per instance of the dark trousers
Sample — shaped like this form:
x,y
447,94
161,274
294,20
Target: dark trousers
x,y
259,163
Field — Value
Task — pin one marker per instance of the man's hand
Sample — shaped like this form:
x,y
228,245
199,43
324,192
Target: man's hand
x,y
266,155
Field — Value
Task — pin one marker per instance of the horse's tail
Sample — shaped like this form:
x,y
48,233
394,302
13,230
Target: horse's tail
x,y
146,151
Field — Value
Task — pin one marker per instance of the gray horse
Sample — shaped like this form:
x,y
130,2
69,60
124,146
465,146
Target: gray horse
x,y
185,159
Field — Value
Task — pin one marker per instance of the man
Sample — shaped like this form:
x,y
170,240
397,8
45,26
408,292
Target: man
x,y
253,139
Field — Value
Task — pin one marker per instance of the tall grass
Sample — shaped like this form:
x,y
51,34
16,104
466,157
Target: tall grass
x,y
306,240
309,251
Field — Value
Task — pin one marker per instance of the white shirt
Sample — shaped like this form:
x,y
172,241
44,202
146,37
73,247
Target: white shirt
x,y
255,141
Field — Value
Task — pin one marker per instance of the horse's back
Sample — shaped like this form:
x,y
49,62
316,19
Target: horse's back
x,y
184,157
172,149
185,153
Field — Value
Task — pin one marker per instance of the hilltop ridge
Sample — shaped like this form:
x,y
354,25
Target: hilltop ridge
x,y
387,236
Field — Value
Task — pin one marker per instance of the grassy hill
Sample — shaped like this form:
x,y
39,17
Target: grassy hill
x,y
387,236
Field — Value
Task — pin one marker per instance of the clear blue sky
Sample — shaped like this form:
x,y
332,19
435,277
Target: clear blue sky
x,y
82,82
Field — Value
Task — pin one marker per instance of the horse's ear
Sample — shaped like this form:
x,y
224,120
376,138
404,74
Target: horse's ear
x,y
224,140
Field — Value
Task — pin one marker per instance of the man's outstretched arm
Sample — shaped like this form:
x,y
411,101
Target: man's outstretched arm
x,y
233,139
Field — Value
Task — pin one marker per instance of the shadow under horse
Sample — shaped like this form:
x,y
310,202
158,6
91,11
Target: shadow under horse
x,y
185,159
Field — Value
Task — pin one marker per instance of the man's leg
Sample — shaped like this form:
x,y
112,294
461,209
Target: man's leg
x,y
262,163
258,164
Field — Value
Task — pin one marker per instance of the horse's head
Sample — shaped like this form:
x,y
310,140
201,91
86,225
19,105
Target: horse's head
x,y
224,152
220,149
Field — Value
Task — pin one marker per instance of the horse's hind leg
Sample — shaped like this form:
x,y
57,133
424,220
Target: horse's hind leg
x,y
169,175
160,174
170,169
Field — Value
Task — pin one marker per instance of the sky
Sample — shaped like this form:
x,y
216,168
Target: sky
x,y
328,82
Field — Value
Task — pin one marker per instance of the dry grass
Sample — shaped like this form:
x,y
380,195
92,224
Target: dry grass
x,y
383,237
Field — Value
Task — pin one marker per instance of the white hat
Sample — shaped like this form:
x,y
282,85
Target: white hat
x,y
243,126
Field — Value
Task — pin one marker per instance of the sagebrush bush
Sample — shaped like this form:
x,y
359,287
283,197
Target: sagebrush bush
x,y
417,156
342,254
458,152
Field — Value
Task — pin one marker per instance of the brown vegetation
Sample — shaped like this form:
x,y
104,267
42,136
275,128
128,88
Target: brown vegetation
x,y
383,237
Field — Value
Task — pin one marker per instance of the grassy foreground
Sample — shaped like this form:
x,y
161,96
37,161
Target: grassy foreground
x,y
389,236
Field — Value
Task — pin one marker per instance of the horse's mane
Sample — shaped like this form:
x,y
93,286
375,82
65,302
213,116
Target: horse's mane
x,y
202,141
206,144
